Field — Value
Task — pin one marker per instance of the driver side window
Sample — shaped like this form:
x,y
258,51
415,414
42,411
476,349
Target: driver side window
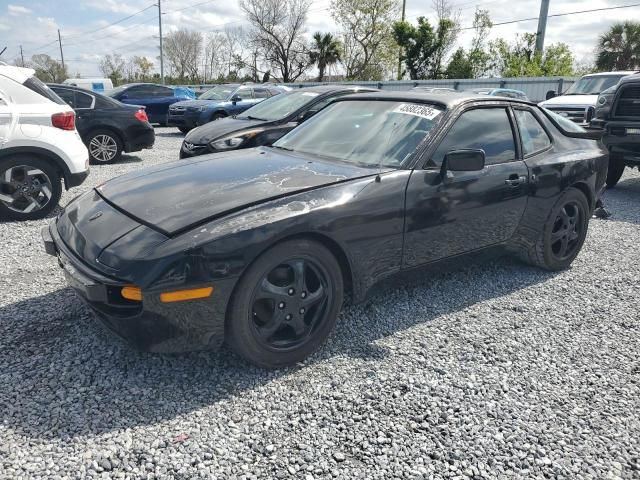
x,y
488,129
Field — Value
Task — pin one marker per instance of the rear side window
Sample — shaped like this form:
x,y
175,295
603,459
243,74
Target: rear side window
x,y
261,93
488,129
534,137
32,83
66,95
83,100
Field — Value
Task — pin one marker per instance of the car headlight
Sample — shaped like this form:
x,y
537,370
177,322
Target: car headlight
x,y
235,140
603,99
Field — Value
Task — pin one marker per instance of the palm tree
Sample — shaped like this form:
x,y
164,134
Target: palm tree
x,y
325,51
619,48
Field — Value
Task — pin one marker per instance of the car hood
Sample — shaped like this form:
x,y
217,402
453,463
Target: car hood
x,y
577,100
197,103
178,196
212,130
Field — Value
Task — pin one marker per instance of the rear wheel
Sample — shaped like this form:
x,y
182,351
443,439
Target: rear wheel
x,y
286,304
563,234
616,169
104,146
30,188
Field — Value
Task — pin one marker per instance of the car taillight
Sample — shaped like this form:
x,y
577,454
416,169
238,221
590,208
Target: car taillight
x,y
64,120
141,115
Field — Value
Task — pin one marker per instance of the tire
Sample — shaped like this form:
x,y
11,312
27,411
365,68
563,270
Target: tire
x,y
267,323
184,130
41,184
615,171
566,225
104,146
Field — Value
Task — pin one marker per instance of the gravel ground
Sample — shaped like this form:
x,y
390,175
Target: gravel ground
x,y
497,371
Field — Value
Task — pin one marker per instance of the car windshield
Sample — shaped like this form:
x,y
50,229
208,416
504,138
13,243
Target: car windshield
x,y
593,85
221,92
366,133
280,106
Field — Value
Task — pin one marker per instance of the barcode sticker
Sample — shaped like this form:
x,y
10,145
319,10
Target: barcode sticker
x,y
423,111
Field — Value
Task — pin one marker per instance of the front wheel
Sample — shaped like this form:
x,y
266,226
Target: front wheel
x,y
30,188
615,171
286,304
564,232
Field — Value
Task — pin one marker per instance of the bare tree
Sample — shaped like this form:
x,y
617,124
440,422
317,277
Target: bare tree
x,y
445,11
214,55
182,49
48,69
144,66
113,66
367,36
277,28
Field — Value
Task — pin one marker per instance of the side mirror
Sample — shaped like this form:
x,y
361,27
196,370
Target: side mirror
x,y
550,94
464,160
306,115
236,98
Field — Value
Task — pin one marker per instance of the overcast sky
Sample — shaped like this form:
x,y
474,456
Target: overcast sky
x,y
34,24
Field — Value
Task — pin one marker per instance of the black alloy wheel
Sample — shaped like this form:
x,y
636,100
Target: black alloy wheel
x,y
563,234
29,188
286,304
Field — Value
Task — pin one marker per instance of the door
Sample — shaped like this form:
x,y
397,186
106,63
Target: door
x,y
456,212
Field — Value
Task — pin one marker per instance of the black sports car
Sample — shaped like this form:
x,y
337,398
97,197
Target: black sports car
x,y
106,126
264,123
258,247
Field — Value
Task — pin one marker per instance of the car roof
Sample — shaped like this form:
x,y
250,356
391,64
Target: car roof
x,y
17,74
447,100
605,74
631,78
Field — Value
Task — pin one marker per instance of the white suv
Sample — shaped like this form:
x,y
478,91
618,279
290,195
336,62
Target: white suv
x,y
39,146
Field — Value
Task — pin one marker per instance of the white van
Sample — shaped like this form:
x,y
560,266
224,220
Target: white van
x,y
99,85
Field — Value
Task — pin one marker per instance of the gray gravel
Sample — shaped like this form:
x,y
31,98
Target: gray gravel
x,y
497,371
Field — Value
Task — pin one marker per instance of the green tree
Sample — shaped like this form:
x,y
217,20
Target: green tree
x,y
144,67
519,59
113,66
459,65
325,51
619,48
421,45
475,62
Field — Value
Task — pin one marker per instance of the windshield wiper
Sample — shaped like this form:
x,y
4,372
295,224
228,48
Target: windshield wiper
x,y
249,117
283,148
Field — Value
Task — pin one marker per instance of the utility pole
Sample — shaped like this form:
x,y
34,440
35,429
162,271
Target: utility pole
x,y
21,56
61,54
160,29
404,6
542,26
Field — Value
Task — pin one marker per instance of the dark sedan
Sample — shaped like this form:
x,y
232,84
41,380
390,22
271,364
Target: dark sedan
x,y
259,246
265,123
106,126
155,98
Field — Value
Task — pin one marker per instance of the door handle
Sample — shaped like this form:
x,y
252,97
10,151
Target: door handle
x,y
515,180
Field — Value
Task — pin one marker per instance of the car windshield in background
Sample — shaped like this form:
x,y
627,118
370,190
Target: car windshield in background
x,y
279,106
593,85
221,92
367,133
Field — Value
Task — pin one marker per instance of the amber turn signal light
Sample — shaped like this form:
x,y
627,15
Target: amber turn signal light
x,y
131,293
182,295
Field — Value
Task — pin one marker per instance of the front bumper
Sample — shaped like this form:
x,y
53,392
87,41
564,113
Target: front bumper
x,y
75,179
187,119
618,139
148,325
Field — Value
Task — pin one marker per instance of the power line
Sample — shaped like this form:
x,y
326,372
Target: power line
x,y
88,32
190,6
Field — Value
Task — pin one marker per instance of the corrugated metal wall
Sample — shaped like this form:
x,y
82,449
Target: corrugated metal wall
x,y
536,88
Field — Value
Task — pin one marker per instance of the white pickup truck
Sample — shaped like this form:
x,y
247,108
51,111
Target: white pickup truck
x,y
578,103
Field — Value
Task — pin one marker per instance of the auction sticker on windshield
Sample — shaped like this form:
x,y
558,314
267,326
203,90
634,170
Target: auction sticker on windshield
x,y
423,111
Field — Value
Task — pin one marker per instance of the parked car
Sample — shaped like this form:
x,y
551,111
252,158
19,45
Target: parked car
x,y
265,123
426,89
502,92
155,98
39,146
258,246
618,117
106,126
99,85
219,102
578,103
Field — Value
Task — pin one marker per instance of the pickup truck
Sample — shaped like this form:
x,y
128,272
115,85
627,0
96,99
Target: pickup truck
x,y
578,103
618,116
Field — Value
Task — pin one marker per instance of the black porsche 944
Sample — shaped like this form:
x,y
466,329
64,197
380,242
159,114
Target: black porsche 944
x,y
259,247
